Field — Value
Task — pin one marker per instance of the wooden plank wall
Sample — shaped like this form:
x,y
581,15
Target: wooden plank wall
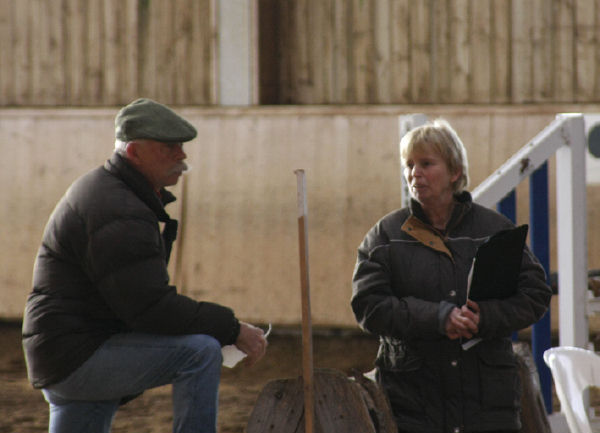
x,y
90,53
439,51
106,53
238,242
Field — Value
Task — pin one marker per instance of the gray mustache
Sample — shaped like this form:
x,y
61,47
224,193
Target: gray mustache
x,y
180,167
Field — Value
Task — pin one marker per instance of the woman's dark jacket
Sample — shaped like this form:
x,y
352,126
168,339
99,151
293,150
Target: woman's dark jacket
x,y
102,269
407,279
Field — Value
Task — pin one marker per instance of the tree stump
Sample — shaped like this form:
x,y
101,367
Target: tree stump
x,y
342,404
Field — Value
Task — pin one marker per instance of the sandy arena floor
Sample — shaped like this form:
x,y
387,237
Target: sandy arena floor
x,y
23,409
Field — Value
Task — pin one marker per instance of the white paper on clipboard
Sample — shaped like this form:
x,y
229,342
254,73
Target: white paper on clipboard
x,y
473,341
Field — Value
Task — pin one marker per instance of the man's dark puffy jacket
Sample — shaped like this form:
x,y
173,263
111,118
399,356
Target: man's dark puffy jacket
x,y
102,270
408,277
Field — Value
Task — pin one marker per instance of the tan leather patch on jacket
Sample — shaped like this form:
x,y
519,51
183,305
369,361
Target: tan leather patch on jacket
x,y
424,234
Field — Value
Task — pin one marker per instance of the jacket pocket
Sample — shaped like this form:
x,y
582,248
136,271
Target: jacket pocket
x,y
396,355
405,392
399,374
500,385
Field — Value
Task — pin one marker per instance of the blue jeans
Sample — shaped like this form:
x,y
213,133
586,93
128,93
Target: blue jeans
x,y
128,364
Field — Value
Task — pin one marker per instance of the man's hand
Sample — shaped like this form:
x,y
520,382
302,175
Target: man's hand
x,y
252,342
463,322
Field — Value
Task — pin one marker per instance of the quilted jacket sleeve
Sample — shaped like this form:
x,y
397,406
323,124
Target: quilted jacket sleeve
x,y
125,259
377,309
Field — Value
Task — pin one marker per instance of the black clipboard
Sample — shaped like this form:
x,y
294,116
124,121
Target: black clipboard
x,y
497,265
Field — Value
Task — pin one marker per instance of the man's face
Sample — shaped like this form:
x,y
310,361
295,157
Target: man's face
x,y
161,163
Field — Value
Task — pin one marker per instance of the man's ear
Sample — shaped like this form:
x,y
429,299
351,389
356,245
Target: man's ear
x,y
132,150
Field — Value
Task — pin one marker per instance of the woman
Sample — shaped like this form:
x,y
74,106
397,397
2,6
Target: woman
x,y
409,288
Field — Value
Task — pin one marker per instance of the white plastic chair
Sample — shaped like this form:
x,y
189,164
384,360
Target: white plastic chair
x,y
574,370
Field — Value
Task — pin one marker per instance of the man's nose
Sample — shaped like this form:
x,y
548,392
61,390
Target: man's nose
x,y
179,152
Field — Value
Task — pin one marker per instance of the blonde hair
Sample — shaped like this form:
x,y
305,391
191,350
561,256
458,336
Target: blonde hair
x,y
438,136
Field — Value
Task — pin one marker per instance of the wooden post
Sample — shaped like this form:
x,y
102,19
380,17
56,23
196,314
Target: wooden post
x,y
307,350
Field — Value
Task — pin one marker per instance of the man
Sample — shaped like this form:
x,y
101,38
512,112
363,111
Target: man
x,y
102,324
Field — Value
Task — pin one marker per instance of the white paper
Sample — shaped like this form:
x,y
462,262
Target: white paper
x,y
470,277
232,355
470,343
473,341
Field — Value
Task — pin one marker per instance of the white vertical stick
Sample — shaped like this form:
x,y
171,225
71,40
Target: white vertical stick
x,y
307,349
571,234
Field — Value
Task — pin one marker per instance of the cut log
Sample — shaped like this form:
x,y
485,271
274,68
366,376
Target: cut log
x,y
342,404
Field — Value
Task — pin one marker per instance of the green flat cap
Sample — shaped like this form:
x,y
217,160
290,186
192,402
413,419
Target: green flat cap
x,y
145,118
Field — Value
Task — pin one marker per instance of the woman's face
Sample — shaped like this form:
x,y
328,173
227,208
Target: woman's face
x,y
429,178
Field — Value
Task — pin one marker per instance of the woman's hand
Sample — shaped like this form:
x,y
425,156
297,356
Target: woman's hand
x,y
463,322
471,310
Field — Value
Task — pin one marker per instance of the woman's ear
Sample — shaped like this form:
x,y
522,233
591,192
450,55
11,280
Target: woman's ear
x,y
456,175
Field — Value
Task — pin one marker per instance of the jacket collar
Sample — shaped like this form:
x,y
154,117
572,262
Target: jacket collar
x,y
463,204
419,227
119,166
